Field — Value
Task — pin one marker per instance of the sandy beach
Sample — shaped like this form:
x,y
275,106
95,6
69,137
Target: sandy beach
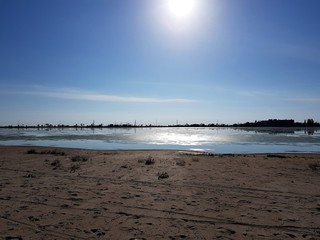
x,y
56,193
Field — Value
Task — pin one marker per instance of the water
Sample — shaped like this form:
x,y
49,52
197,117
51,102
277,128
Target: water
x,y
216,140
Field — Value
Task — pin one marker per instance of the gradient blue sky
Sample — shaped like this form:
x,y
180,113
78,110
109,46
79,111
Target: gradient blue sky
x,y
75,61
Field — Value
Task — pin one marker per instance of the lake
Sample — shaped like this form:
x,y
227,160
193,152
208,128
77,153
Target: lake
x,y
215,140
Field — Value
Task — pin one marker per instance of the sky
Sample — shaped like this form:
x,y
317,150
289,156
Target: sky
x,y
158,61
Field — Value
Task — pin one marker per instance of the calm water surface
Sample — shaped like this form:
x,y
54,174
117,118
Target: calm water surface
x,y
216,140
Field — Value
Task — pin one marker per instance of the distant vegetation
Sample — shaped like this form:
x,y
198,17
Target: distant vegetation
x,y
264,123
52,152
280,123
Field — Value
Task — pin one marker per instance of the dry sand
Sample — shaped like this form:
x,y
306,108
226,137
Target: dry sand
x,y
51,194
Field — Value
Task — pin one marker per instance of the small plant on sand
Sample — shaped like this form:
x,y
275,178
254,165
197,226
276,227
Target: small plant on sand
x,y
56,164
74,167
275,156
149,161
54,152
163,175
314,166
181,162
31,151
79,159
29,175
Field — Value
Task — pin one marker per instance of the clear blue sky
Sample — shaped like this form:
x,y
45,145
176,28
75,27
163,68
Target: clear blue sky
x,y
75,61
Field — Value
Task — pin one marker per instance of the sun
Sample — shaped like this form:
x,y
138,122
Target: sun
x,y
182,9
181,18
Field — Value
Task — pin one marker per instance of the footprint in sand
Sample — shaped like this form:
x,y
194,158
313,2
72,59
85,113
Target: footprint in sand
x,y
227,231
33,219
98,232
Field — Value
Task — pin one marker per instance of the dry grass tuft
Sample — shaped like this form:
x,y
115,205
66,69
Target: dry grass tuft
x,y
79,159
163,175
150,161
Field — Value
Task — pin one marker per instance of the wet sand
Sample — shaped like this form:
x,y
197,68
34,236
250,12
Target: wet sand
x,y
55,193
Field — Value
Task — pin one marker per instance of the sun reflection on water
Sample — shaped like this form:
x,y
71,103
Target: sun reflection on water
x,y
218,140
187,139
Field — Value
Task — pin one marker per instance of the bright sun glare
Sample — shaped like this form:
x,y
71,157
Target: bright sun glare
x,y
181,9
181,17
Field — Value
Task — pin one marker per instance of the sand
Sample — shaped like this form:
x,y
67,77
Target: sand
x,y
55,193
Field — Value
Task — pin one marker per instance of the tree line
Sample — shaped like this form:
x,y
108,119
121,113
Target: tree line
x,y
263,123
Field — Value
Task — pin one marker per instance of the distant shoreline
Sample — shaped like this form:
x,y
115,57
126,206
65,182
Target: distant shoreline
x,y
271,123
164,126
